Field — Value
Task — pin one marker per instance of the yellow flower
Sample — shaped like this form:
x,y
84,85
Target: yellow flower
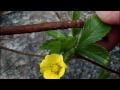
x,y
53,66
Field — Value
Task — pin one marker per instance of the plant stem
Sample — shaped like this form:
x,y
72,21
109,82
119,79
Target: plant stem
x,y
10,30
69,55
97,64
1,47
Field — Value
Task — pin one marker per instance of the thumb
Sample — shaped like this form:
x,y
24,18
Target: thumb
x,y
109,17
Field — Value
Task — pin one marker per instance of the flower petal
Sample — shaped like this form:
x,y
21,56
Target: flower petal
x,y
61,72
66,66
53,58
61,57
42,70
50,75
44,64
61,62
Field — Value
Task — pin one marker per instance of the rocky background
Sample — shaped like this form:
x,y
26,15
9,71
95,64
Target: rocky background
x,y
17,66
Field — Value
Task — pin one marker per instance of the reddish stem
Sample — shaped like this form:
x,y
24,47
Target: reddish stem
x,y
10,30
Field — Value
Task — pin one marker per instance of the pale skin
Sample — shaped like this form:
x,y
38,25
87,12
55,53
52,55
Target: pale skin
x,y
112,18
109,17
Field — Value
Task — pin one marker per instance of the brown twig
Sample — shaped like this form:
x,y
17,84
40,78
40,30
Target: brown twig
x,y
10,30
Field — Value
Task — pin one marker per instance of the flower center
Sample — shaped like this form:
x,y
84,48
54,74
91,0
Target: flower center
x,y
54,68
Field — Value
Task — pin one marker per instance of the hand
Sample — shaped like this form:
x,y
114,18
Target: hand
x,y
113,18
109,17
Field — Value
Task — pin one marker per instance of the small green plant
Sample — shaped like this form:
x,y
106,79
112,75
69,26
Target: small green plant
x,y
103,74
82,42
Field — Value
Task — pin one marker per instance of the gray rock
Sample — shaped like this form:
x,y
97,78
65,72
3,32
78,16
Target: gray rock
x,y
17,66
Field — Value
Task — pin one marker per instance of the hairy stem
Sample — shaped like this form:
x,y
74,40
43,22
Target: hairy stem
x,y
69,55
1,47
102,66
10,30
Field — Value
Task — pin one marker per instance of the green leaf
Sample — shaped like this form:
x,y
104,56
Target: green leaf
x,y
107,75
56,34
69,43
103,74
76,16
95,53
47,44
94,30
53,45
56,48
75,31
